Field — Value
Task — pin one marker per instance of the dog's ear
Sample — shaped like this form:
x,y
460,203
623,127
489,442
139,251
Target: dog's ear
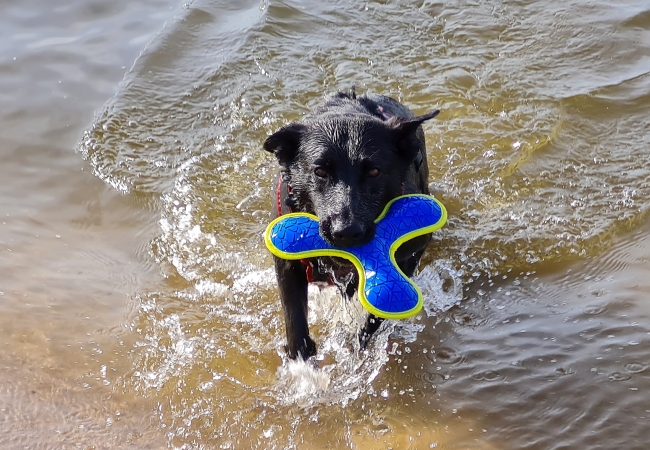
x,y
285,142
405,129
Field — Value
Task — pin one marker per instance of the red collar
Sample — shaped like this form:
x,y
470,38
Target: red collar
x,y
281,195
278,195
283,199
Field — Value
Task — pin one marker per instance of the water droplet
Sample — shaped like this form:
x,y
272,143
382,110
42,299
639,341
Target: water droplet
x,y
488,375
618,376
635,367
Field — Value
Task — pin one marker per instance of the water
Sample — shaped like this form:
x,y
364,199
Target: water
x,y
139,307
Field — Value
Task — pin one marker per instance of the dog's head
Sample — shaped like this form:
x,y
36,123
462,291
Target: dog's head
x,y
346,168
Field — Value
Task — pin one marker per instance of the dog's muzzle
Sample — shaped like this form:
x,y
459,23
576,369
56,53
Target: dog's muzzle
x,y
341,234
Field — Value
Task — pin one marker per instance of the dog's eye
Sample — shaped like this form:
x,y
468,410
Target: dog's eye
x,y
372,173
320,172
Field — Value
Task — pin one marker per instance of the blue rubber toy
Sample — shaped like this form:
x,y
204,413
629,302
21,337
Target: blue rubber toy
x,y
384,290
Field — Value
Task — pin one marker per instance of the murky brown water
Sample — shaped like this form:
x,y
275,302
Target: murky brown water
x,y
138,305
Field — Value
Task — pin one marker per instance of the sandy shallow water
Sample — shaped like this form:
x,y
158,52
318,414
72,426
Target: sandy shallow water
x,y
138,305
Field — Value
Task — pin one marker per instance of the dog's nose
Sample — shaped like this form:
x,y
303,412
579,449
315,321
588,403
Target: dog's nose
x,y
347,235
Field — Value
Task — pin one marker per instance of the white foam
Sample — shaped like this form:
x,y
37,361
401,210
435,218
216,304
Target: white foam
x,y
253,280
301,382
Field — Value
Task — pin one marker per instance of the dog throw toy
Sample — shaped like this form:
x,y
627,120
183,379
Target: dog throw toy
x,y
384,290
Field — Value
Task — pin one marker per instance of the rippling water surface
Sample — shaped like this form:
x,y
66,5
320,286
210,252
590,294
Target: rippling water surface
x,y
139,308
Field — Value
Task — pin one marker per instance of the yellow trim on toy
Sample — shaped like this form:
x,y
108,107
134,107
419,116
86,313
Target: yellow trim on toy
x,y
327,250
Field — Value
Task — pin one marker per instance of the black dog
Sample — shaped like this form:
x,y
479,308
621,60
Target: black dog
x,y
344,162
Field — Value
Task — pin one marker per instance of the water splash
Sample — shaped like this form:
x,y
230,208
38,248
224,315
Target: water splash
x,y
441,286
527,180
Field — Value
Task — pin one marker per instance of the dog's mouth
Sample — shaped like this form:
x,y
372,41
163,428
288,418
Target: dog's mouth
x,y
350,235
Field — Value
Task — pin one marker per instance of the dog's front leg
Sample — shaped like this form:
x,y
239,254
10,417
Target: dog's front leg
x,y
292,282
372,324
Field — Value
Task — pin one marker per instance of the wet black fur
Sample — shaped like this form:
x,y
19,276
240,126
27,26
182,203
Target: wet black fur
x,y
330,161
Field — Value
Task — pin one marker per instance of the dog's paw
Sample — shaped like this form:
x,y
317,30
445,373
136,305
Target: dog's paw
x,y
309,348
305,350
